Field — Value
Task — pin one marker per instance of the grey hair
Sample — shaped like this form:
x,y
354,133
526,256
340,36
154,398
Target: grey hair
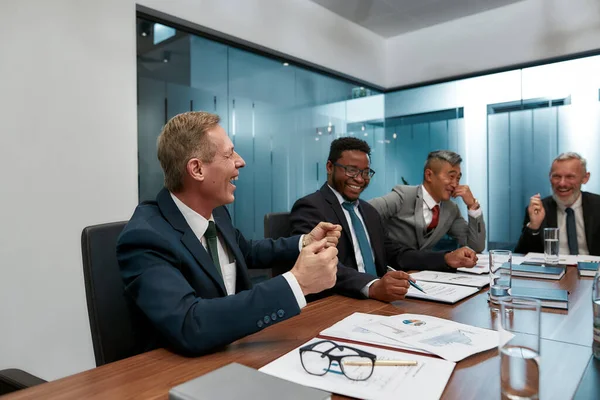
x,y
443,155
570,155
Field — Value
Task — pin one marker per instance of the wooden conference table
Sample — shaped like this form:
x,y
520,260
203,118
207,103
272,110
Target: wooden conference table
x,y
566,339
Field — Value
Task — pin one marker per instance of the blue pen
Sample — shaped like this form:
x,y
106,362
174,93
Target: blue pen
x,y
413,284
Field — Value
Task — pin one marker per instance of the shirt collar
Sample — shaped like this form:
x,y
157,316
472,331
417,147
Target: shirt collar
x,y
341,198
197,222
574,206
428,199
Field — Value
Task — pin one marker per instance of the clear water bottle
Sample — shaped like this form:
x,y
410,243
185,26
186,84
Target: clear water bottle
x,y
596,305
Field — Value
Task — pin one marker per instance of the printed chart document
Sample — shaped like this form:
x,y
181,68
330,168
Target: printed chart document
x,y
426,380
447,339
441,292
352,328
477,281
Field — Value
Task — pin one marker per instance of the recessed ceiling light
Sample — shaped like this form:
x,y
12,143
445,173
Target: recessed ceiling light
x,y
285,64
394,135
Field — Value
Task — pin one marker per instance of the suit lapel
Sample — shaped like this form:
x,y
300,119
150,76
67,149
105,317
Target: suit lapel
x,y
588,219
337,209
189,239
419,222
223,224
435,236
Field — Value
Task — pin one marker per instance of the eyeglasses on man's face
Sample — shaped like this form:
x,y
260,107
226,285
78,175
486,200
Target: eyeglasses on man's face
x,y
326,356
353,172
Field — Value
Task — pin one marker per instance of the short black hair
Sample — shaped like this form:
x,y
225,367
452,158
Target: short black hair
x,y
338,146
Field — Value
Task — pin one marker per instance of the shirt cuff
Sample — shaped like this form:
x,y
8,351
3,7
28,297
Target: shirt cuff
x,y
295,286
475,213
300,243
365,289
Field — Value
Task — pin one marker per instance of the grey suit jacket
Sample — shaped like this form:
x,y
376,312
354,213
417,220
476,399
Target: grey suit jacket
x,y
402,212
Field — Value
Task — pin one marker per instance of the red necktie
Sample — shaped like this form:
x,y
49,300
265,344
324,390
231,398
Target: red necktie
x,y
436,216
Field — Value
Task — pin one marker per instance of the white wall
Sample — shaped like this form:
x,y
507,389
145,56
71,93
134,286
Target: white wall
x,y
522,32
68,151
300,28
68,159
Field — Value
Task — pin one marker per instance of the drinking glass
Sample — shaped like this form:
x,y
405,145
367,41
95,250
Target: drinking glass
x,y
551,245
519,348
500,275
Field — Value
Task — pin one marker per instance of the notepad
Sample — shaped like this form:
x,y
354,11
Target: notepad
x,y
553,298
587,268
538,271
452,278
441,292
235,381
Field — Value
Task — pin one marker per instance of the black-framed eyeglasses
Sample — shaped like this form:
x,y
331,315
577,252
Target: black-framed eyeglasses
x,y
353,172
326,356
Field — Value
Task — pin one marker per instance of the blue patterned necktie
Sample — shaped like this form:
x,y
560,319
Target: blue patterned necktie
x,y
572,232
361,236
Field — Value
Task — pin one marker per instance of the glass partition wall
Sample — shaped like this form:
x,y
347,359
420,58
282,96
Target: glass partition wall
x,y
282,118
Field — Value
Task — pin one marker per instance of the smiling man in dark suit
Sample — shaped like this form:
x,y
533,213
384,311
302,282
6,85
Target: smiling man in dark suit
x,y
575,213
184,264
364,247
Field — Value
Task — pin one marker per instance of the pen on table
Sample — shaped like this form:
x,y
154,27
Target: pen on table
x,y
413,284
383,363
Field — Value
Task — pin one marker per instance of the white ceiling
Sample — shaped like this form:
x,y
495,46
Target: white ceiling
x,y
389,18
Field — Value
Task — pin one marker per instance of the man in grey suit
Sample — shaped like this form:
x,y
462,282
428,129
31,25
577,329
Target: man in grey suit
x,y
419,216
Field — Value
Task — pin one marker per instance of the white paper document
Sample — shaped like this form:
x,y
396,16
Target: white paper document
x,y
426,380
562,258
352,328
482,266
447,339
477,281
441,292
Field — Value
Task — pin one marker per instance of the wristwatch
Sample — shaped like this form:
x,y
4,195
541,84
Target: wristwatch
x,y
474,206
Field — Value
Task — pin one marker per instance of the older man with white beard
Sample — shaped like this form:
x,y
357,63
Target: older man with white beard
x,y
575,213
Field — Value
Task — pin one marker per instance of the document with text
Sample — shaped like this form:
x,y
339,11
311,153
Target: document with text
x,y
352,328
477,281
441,292
448,339
425,380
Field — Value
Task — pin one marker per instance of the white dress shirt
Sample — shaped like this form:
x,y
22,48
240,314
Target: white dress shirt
x,y
199,225
357,254
429,203
561,218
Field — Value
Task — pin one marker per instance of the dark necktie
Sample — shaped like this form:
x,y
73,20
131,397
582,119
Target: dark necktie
x,y
436,216
572,232
361,237
211,243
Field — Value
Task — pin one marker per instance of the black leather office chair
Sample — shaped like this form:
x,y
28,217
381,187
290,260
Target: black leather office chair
x,y
12,380
110,319
278,225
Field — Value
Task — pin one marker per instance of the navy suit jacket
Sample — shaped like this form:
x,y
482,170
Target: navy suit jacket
x,y
590,203
179,295
323,205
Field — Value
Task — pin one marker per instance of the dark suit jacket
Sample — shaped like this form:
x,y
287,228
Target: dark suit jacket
x,y
178,291
323,205
590,203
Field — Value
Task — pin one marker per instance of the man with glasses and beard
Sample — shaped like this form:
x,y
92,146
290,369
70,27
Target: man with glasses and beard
x,y
574,212
364,249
